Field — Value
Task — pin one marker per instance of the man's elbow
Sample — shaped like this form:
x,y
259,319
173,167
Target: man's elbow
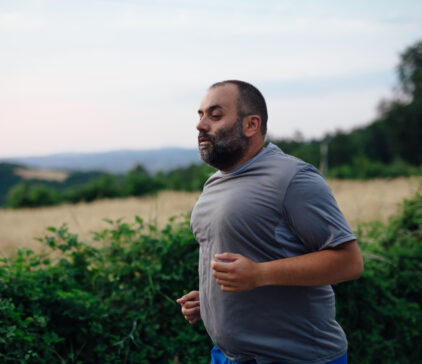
x,y
353,261
357,265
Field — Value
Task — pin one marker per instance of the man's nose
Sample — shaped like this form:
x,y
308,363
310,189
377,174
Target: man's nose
x,y
202,125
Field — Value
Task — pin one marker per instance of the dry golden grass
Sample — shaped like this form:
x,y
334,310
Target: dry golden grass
x,y
359,201
377,199
27,173
18,227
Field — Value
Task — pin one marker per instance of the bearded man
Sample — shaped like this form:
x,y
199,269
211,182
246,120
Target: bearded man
x,y
272,241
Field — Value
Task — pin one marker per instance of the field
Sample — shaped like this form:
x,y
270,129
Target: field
x,y
360,201
27,173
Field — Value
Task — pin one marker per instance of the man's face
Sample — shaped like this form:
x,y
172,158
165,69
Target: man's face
x,y
221,140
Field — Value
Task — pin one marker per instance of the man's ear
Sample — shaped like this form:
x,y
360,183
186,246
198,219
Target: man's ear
x,y
251,125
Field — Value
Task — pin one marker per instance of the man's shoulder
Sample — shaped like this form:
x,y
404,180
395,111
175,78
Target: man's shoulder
x,y
272,165
283,164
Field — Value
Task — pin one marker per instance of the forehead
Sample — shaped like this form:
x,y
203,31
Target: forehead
x,y
225,96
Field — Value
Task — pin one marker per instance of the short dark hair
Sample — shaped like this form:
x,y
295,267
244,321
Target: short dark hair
x,y
250,101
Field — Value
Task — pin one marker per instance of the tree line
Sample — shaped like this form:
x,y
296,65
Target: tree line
x,y
388,147
137,182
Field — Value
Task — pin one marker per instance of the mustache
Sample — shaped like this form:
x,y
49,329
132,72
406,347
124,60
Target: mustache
x,y
204,135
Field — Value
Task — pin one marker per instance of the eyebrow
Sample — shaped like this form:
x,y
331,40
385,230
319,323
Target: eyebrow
x,y
211,109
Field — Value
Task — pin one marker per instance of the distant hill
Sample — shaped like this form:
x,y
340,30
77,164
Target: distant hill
x,y
12,174
116,162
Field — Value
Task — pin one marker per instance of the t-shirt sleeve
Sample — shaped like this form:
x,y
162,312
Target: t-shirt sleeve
x,y
312,212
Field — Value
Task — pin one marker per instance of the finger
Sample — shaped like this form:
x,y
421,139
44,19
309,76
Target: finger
x,y
191,304
196,319
220,266
193,295
189,318
190,311
230,289
228,256
181,300
221,275
225,282
192,317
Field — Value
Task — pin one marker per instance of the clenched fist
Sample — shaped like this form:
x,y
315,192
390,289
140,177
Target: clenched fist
x,y
190,306
235,273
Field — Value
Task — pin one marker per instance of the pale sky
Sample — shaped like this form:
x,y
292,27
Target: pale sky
x,y
91,75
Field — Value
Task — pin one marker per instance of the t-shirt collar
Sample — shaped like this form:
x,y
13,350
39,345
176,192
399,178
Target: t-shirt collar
x,y
245,165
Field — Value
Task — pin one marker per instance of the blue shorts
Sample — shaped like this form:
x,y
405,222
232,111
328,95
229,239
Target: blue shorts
x,y
218,357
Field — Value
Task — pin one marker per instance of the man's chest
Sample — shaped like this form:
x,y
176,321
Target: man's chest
x,y
240,214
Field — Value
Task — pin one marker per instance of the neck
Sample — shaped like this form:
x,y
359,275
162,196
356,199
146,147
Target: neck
x,y
251,152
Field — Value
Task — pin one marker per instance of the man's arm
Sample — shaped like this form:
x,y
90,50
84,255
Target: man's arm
x,y
236,273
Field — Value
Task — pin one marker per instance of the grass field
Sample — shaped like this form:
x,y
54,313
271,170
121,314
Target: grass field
x,y
360,201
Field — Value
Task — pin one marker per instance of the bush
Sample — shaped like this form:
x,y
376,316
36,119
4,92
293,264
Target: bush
x,y
112,303
381,312
25,195
105,186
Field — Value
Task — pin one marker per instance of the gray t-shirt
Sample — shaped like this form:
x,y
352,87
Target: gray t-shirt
x,y
272,207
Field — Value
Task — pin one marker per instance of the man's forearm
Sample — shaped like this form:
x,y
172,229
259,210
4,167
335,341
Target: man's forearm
x,y
328,266
236,273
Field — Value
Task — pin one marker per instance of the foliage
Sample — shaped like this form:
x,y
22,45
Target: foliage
x,y
7,179
109,302
410,70
113,301
394,136
25,195
137,182
381,312
191,178
363,168
388,147
105,186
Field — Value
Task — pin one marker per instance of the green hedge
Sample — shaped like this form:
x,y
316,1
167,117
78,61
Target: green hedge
x,y
381,312
112,303
113,300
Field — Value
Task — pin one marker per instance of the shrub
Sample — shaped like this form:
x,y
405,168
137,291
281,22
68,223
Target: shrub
x,y
111,303
25,195
381,312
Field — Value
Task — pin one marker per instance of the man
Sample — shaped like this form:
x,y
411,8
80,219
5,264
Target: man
x,y
272,241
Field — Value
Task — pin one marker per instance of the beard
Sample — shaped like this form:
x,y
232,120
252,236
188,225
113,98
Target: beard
x,y
228,147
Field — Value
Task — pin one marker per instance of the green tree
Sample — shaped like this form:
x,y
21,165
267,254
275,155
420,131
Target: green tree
x,y
138,182
105,186
26,195
410,71
396,134
191,178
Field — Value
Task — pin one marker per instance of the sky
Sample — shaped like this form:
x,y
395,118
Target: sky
x,y
103,75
